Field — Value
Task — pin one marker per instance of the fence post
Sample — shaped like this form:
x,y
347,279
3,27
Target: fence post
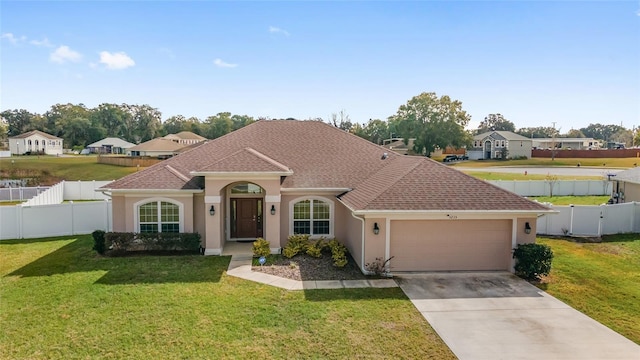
x,y
571,221
600,220
73,222
19,220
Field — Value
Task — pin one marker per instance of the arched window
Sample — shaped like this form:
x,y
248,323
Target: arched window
x,y
312,216
159,216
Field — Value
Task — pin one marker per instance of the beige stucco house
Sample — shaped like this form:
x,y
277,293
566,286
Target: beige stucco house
x,y
275,178
498,144
35,141
626,186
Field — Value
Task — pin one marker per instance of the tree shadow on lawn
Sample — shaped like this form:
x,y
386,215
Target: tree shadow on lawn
x,y
78,256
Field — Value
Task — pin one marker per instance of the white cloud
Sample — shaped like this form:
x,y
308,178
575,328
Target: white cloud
x,y
63,54
12,38
277,30
45,43
116,61
220,63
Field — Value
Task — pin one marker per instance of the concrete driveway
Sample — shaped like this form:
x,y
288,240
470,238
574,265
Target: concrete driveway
x,y
500,316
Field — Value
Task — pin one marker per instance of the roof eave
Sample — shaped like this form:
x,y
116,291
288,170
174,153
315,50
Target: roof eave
x,y
449,213
151,191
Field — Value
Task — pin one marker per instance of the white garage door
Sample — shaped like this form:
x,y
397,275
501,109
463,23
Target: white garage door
x,y
434,245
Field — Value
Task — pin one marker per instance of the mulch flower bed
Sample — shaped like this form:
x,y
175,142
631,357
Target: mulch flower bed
x,y
305,267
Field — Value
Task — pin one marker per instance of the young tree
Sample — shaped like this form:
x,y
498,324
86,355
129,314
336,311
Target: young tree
x,y
341,120
433,122
495,122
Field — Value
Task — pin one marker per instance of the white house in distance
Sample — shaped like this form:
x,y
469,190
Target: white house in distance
x,y
497,144
110,145
566,143
35,141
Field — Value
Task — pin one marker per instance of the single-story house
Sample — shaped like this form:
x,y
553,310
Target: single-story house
x,y
35,141
186,138
159,147
276,178
499,145
110,145
566,143
626,186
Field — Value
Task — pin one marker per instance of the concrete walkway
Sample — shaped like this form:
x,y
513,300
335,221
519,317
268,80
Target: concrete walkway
x,y
500,316
240,266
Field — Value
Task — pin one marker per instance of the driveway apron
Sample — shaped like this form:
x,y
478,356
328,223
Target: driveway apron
x,y
500,316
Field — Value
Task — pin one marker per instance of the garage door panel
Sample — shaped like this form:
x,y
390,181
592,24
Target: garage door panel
x,y
431,245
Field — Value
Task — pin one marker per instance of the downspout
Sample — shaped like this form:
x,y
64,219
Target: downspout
x,y
364,271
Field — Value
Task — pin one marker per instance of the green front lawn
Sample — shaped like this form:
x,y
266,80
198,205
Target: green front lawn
x,y
59,300
572,200
489,175
600,279
48,170
592,162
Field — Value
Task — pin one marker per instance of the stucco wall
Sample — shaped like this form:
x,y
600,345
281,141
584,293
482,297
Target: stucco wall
x,y
353,238
521,237
631,191
124,206
375,245
119,213
199,215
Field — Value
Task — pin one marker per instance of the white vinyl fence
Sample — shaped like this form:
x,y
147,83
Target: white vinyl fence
x,y
560,187
69,190
26,222
46,215
589,220
20,193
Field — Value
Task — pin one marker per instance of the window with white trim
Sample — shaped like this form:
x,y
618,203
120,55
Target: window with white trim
x,y
159,216
312,217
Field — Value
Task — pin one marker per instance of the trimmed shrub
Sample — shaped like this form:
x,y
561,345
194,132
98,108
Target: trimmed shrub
x,y
296,245
315,248
338,253
120,241
261,247
532,260
99,244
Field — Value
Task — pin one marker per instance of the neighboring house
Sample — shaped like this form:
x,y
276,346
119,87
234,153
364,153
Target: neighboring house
x,y
159,147
626,186
35,141
185,138
397,145
498,145
276,178
566,143
110,146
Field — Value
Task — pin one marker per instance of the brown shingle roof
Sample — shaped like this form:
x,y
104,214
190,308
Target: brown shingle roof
x,y
322,156
35,132
245,160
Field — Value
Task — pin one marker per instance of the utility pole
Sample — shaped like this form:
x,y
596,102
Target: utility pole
x,y
553,142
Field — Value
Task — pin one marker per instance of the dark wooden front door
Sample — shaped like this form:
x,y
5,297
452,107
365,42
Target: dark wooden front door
x,y
246,218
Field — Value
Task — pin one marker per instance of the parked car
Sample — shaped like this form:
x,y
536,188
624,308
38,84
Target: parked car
x,y
463,157
450,158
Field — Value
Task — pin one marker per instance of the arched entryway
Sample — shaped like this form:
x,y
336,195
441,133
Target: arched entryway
x,y
487,149
246,211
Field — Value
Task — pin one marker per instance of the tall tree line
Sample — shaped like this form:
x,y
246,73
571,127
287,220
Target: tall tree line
x,y
80,126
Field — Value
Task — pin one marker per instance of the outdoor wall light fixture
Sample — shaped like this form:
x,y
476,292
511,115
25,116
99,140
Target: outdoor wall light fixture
x,y
273,209
212,210
376,229
527,228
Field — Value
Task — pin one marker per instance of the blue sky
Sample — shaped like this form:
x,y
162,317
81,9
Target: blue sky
x,y
570,62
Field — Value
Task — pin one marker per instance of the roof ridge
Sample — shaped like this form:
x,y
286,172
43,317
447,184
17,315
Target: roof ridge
x,y
416,162
267,159
177,173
